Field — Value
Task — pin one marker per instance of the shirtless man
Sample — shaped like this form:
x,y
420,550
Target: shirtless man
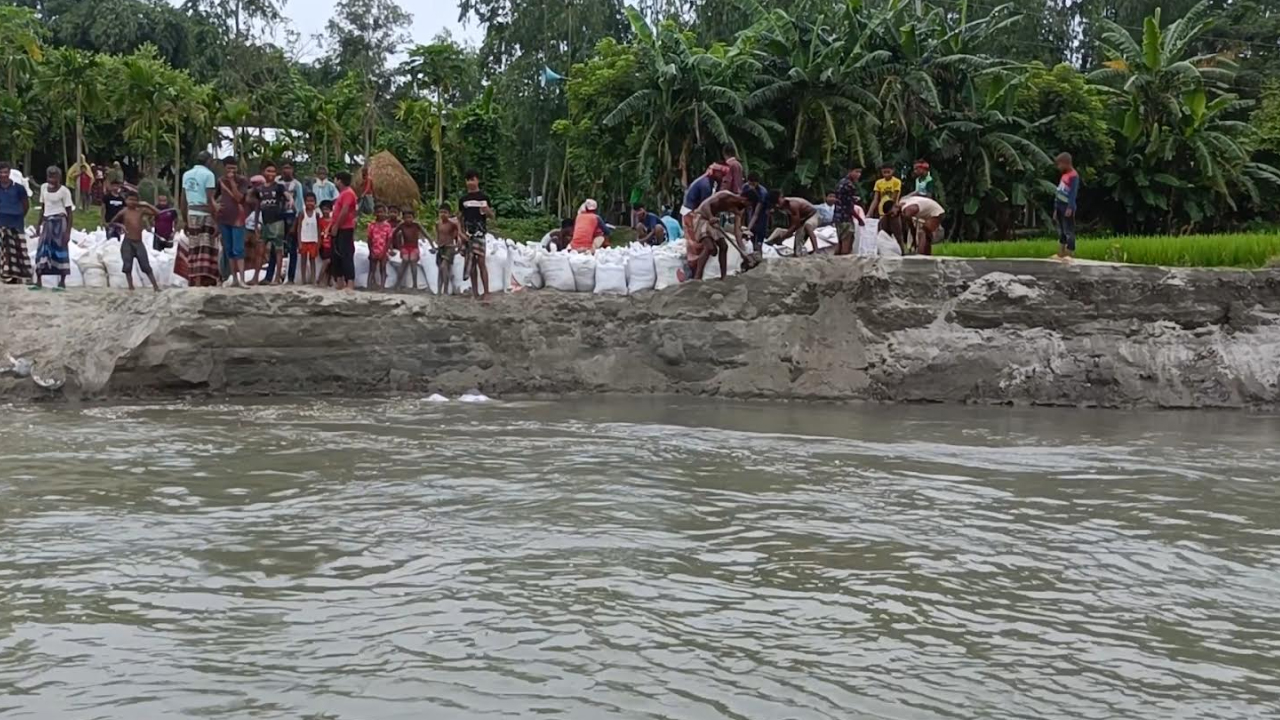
x,y
712,239
447,236
405,237
134,220
804,220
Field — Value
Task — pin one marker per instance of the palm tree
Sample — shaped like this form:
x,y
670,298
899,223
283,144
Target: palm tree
x,y
421,121
143,94
433,66
71,77
235,114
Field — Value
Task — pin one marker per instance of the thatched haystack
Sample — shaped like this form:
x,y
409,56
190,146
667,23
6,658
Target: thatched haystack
x,y
392,184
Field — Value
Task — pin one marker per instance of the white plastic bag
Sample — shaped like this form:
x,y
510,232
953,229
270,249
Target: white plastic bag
x,y
611,272
584,271
114,263
557,273
362,265
641,274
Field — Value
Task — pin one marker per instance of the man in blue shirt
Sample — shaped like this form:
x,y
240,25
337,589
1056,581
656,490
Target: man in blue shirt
x,y
15,264
648,228
323,188
698,192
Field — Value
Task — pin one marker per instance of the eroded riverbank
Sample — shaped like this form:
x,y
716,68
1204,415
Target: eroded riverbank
x,y
1025,332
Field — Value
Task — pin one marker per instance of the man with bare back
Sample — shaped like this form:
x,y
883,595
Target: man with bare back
x,y
712,238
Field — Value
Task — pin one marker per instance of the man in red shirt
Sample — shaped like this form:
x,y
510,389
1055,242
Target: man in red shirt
x,y
342,265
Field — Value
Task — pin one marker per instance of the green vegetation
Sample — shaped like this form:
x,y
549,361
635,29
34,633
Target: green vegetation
x,y
1171,107
1251,250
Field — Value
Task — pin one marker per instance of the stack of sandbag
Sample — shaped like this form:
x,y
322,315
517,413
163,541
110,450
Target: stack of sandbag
x,y
669,264
556,271
641,274
611,271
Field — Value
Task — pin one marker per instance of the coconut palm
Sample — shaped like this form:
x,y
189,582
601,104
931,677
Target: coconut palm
x,y
431,67
424,125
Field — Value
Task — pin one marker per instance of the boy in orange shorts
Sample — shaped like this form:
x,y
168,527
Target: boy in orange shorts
x,y
407,234
307,237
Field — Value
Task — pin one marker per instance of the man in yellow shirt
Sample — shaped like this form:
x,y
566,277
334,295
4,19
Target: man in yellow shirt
x,y
888,189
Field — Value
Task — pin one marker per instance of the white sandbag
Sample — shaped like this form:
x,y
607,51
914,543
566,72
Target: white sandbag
x,y
886,246
865,238
497,261
828,239
395,264
114,263
362,265
584,271
641,274
611,272
524,267
669,265
459,286
427,267
769,252
95,277
556,271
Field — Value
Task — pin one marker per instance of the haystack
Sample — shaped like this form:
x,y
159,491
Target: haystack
x,y
392,184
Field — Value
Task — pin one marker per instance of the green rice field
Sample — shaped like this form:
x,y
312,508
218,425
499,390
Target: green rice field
x,y
1244,250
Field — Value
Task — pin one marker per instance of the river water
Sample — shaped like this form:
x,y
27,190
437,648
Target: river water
x,y
624,558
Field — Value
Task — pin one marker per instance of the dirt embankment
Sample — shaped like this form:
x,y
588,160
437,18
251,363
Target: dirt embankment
x,y
831,329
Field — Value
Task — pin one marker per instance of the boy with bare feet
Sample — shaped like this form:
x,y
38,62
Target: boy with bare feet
x,y
447,236
406,237
133,219
476,211
712,238
804,221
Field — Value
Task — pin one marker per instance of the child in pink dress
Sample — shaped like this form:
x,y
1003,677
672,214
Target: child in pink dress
x,y
379,248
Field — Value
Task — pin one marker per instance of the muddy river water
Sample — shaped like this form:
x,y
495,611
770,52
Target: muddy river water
x,y
636,558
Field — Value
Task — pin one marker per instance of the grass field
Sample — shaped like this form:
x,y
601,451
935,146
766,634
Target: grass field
x,y
1247,250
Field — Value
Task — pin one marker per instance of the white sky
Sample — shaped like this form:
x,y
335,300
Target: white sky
x,y
429,18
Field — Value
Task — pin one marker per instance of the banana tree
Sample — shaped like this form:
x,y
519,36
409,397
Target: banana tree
x,y
424,125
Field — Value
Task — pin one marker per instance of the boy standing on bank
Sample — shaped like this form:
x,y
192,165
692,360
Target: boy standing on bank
x,y
133,218
1064,207
476,212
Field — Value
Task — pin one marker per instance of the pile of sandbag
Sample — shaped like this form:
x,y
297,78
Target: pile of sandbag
x,y
96,261
499,253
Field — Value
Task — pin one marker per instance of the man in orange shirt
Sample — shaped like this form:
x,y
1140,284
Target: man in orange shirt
x,y
588,234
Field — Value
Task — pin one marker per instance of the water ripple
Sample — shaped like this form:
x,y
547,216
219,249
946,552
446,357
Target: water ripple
x,y
636,559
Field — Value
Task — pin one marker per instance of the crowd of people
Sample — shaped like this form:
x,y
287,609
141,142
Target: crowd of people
x,y
271,228
726,206
305,231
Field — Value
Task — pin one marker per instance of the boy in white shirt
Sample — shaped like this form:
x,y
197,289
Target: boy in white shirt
x,y
52,257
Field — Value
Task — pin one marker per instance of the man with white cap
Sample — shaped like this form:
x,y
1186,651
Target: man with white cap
x,y
588,229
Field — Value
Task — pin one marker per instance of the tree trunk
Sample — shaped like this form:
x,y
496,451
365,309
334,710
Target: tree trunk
x,y
437,145
177,162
